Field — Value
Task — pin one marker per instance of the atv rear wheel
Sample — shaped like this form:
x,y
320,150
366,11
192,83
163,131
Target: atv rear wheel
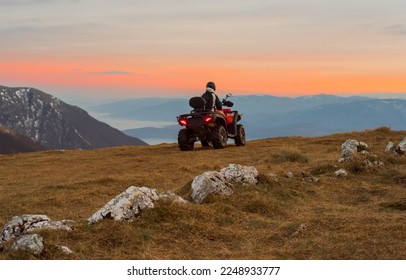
x,y
185,140
219,137
240,138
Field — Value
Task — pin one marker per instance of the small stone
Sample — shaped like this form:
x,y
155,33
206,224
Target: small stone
x,y
389,147
65,249
313,179
378,163
362,146
368,163
289,175
341,173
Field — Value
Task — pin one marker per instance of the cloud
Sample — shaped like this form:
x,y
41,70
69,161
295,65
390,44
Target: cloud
x,y
397,29
21,2
111,72
107,72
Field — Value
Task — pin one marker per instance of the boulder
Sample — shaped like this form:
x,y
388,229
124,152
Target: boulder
x,y
210,182
351,147
126,206
348,148
20,225
240,174
401,147
30,242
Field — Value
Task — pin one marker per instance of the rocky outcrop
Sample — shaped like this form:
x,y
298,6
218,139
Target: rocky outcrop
x,y
129,205
31,242
401,147
351,147
222,182
21,225
19,231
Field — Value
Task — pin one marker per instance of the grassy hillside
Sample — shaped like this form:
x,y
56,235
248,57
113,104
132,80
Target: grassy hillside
x,y
361,216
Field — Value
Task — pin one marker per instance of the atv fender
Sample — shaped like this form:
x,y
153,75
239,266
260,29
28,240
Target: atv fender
x,y
232,127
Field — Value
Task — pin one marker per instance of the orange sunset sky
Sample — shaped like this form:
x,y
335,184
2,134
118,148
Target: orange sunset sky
x,y
165,48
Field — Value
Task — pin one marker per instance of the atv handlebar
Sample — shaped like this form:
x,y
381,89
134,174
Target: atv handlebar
x,y
227,103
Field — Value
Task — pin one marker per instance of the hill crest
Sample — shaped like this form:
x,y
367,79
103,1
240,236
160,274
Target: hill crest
x,y
359,216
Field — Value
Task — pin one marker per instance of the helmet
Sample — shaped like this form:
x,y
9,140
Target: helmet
x,y
211,85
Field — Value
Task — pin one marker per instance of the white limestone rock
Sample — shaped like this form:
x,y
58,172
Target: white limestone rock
x,y
341,173
389,147
348,148
210,182
351,147
65,249
30,242
127,206
21,225
401,147
240,174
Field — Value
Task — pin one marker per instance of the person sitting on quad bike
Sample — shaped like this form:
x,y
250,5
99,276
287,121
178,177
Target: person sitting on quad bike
x,y
212,100
209,123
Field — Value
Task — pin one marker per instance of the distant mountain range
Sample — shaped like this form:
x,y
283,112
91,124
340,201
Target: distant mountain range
x,y
270,116
54,124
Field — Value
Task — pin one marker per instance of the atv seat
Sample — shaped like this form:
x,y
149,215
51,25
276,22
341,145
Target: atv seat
x,y
197,103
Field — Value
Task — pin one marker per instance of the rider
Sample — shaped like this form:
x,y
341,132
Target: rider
x,y
212,100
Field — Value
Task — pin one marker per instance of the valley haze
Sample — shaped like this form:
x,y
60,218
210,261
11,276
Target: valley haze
x,y
154,119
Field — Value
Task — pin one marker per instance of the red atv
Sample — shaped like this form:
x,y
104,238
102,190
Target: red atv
x,y
209,127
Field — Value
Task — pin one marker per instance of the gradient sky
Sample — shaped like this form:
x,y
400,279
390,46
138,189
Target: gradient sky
x,y
167,47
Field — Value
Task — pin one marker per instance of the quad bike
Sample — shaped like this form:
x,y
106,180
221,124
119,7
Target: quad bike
x,y
211,128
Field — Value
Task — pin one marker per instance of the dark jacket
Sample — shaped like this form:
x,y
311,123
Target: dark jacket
x,y
212,101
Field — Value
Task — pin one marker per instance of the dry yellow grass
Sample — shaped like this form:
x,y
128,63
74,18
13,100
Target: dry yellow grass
x,y
358,217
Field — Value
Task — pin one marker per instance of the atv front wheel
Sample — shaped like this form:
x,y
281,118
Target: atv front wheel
x,y
240,138
185,140
219,137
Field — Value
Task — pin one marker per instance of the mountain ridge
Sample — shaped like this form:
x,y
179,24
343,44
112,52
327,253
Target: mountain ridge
x,y
54,123
268,116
